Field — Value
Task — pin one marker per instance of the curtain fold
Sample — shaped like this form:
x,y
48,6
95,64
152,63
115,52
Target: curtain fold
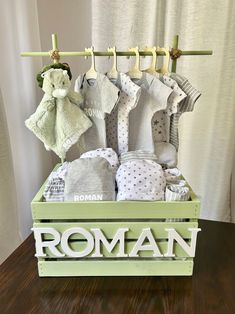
x,y
9,233
24,162
206,135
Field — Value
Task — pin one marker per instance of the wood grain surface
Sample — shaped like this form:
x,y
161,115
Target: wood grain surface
x,y
210,290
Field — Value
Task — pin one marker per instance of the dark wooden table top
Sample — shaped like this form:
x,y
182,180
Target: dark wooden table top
x,y
210,290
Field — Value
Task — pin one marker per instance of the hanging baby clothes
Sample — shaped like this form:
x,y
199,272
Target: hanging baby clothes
x,y
186,105
117,123
166,154
154,97
100,97
161,119
165,151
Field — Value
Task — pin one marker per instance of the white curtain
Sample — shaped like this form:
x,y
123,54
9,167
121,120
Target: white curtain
x,y
23,161
206,135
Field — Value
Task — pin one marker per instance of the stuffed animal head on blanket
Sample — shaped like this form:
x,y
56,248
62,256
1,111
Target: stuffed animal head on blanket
x,y
56,83
63,66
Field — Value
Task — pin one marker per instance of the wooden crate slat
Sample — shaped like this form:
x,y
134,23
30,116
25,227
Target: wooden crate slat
x,y
115,268
110,228
81,245
115,210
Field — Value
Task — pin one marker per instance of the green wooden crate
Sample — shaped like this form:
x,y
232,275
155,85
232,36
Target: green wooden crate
x,y
109,216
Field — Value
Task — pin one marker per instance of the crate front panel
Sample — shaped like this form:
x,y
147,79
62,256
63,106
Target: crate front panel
x,y
115,210
115,268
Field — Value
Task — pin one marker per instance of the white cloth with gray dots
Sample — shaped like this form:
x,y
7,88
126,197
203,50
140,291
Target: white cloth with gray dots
x,y
141,180
117,122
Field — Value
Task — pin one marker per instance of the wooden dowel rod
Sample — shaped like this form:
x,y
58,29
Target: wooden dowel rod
x,y
35,54
197,52
175,46
109,54
54,45
54,41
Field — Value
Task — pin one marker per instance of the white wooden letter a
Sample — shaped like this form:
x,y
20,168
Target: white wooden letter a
x,y
146,234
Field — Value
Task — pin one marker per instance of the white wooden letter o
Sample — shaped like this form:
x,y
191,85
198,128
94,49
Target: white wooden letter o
x,y
88,237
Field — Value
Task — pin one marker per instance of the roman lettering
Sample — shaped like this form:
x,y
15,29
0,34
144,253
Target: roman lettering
x,y
50,244
93,112
173,235
146,234
95,239
87,197
99,197
118,237
65,245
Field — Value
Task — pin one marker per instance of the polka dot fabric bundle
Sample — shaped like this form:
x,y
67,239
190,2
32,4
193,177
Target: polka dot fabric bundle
x,y
140,180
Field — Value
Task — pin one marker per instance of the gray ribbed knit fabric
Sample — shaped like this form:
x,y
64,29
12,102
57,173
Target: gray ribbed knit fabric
x,y
137,154
177,193
89,179
186,105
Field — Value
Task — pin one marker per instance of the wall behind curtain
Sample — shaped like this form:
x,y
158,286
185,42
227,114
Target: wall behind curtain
x,y
206,135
